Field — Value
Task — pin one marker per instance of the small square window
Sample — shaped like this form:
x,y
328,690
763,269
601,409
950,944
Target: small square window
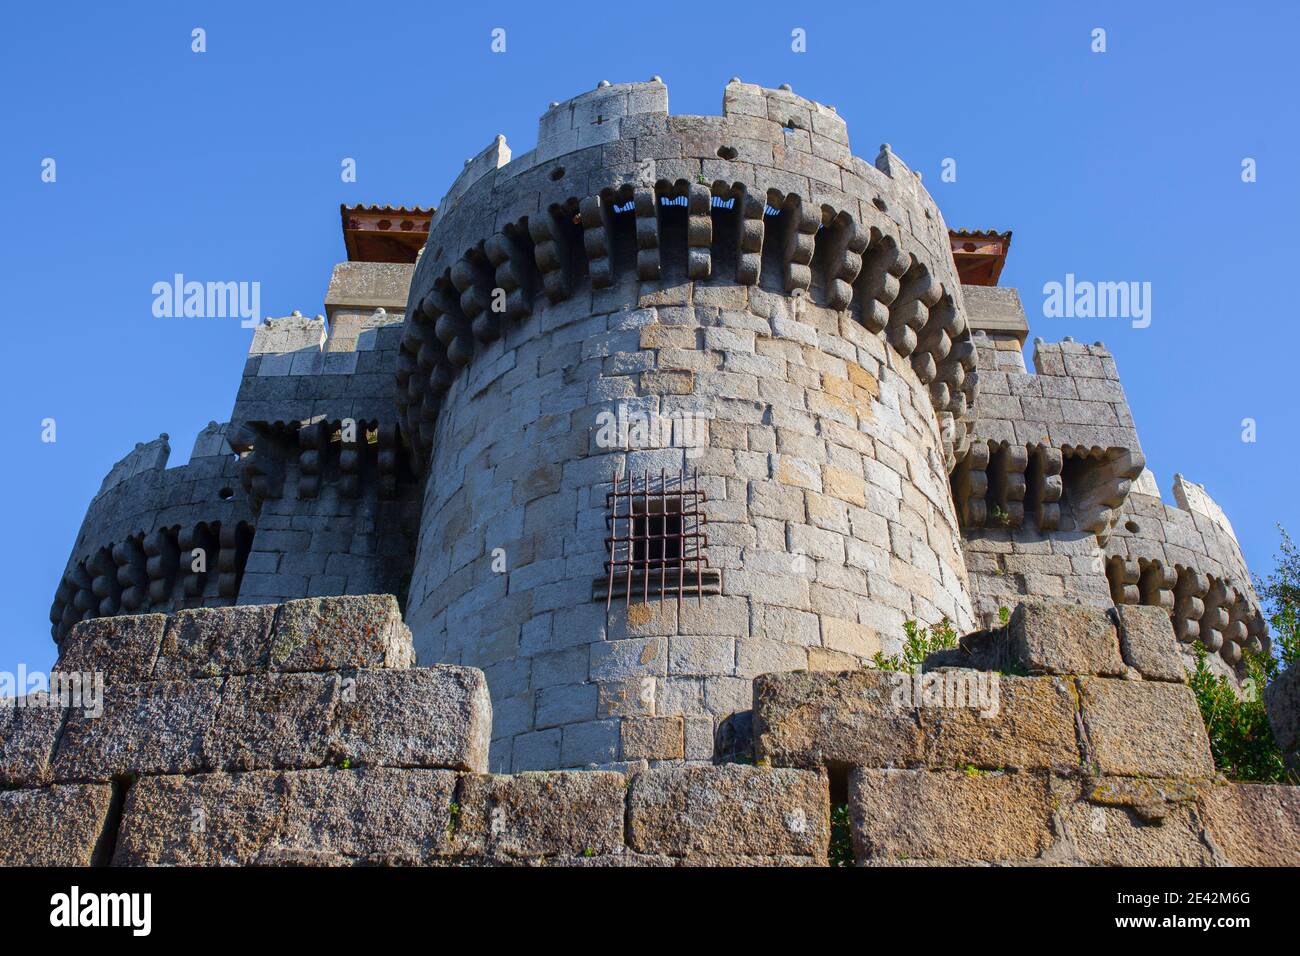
x,y
656,541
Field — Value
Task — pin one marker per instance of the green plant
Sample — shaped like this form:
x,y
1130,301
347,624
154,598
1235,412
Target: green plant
x,y
920,643
1004,614
999,515
453,818
1240,737
1281,591
840,851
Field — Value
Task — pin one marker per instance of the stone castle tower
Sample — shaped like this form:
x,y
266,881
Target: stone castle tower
x,y
666,403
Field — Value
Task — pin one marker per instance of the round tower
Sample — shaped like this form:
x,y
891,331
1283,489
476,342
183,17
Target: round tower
x,y
685,392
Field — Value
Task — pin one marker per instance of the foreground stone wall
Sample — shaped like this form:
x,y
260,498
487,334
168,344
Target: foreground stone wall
x,y
301,734
1098,757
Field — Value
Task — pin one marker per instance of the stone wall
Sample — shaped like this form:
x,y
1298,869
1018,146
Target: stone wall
x,y
301,734
1097,757
828,517
1055,501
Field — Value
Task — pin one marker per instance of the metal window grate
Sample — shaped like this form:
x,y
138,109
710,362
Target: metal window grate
x,y
656,540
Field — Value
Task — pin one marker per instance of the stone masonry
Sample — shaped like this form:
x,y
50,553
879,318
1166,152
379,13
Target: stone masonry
x,y
301,734
786,320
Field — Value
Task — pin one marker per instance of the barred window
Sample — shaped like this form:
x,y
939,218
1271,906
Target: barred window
x,y
656,543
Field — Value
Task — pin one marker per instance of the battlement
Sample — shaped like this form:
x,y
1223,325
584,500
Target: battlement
x,y
298,371
1185,558
146,456
630,202
146,516
759,127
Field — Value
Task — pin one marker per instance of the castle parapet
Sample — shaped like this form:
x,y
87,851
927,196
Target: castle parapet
x,y
1185,559
627,201
158,538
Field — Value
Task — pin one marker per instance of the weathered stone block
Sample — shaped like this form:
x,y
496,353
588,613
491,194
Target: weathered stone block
x,y
1151,798
1118,836
730,860
634,697
1144,729
1132,821
425,717
147,728
653,738
1147,642
122,648
335,633
834,719
947,815
1255,824
1030,727
53,826
29,727
1048,637
733,808
210,642
371,815
561,814
275,721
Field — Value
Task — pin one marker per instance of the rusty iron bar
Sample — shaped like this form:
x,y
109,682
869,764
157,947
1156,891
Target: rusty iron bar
x,y
609,593
681,527
691,541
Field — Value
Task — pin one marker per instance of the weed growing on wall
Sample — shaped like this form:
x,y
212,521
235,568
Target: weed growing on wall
x,y
920,643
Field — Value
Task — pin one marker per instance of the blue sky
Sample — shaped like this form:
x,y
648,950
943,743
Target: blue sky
x,y
225,166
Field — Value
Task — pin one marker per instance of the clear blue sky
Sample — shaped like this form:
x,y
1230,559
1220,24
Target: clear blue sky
x,y
225,166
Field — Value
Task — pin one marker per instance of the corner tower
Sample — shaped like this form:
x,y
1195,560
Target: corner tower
x,y
685,393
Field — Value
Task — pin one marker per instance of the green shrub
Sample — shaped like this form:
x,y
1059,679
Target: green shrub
x,y
1240,737
920,643
1281,592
